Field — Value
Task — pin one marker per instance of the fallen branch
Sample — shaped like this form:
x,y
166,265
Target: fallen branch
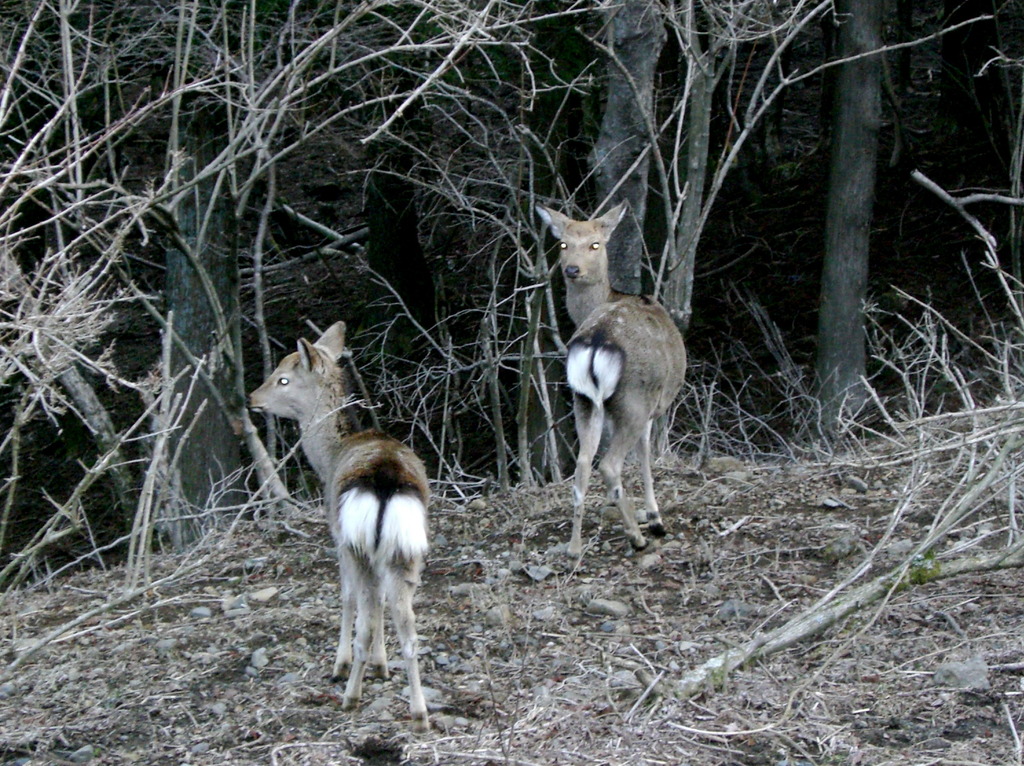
x,y
818,619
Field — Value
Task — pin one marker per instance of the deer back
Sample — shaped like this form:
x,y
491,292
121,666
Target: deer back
x,y
653,357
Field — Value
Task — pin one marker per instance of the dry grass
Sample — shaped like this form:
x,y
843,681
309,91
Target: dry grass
x,y
147,682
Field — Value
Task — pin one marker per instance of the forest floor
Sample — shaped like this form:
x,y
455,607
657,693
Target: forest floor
x,y
227,663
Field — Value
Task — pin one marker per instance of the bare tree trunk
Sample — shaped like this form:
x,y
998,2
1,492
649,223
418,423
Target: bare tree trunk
x,y
621,153
701,79
855,122
202,292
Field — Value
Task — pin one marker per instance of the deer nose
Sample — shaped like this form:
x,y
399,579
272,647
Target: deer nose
x,y
572,271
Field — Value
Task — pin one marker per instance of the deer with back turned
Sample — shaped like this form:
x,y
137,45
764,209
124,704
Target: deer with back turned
x,y
375,494
625,365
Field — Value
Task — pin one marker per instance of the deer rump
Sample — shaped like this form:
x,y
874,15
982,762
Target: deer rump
x,y
382,514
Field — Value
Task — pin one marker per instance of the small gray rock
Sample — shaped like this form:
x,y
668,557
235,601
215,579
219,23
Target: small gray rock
x,y
723,464
83,754
604,607
165,645
545,614
539,573
234,603
200,747
7,691
972,674
734,609
498,616
461,590
843,547
855,483
201,613
259,658
649,561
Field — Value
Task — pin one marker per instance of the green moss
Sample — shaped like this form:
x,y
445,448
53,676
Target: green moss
x,y
924,569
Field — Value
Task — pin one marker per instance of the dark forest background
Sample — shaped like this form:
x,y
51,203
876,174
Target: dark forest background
x,y
187,187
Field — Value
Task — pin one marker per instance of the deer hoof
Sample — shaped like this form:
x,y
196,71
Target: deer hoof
x,y
420,723
638,544
341,675
657,529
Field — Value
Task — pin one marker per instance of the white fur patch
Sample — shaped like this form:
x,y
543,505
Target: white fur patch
x,y
404,531
593,372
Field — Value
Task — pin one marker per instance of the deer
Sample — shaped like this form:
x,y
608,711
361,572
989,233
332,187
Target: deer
x,y
625,365
376,496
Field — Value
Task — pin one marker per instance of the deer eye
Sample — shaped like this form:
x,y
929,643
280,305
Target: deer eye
x,y
595,246
283,381
562,245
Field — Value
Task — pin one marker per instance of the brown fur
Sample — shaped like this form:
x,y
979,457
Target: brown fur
x,y
640,334
309,386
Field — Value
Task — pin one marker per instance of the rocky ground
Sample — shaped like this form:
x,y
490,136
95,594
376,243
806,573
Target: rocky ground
x,y
530,659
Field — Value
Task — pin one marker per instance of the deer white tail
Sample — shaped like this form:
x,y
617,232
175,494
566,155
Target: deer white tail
x,y
594,367
382,528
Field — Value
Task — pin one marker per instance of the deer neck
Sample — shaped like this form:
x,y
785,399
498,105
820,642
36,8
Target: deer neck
x,y
322,434
581,300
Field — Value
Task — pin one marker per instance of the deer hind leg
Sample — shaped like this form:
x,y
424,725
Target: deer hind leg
x,y
343,657
625,435
401,587
369,603
654,523
589,419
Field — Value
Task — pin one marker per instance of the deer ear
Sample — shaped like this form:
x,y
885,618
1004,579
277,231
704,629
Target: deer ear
x,y
554,220
308,357
612,218
333,340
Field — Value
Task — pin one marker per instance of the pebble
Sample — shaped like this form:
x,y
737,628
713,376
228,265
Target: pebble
x,y
264,595
461,590
201,613
650,561
219,708
7,691
259,658
545,614
539,573
844,546
288,678
83,754
200,747
972,674
604,607
737,477
723,464
498,616
477,504
855,483
734,609
165,645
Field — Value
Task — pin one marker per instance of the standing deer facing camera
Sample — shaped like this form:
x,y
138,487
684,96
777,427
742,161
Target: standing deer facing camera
x,y
376,497
625,366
